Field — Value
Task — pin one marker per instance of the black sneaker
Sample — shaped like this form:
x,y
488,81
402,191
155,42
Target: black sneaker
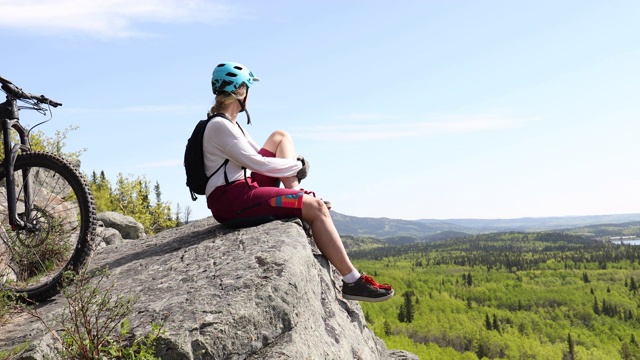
x,y
366,289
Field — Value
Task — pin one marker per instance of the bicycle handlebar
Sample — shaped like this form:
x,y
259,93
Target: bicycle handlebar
x,y
19,94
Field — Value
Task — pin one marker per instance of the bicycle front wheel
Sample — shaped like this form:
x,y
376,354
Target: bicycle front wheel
x,y
60,224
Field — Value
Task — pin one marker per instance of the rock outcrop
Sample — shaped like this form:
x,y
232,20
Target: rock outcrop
x,y
255,293
127,226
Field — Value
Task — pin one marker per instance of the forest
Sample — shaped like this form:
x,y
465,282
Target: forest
x,y
514,295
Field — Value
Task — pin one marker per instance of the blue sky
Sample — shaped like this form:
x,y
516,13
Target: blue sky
x,y
407,109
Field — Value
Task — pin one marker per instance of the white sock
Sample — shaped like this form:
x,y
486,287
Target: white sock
x,y
351,277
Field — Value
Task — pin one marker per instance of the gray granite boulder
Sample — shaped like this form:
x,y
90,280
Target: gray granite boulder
x,y
107,236
256,293
127,226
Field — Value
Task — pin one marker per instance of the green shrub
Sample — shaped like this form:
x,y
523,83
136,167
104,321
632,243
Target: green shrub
x,y
94,322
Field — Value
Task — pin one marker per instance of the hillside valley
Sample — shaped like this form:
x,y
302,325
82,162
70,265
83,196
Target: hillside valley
x,y
506,295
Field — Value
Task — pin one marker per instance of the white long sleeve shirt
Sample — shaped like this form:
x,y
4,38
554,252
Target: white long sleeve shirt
x,y
223,140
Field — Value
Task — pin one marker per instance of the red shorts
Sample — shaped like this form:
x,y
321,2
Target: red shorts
x,y
255,201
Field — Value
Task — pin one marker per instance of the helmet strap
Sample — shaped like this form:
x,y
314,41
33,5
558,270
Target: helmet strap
x,y
248,117
243,106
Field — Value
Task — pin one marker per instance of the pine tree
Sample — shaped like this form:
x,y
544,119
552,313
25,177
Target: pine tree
x,y
409,308
487,323
387,328
572,347
161,217
626,352
102,194
633,285
481,350
402,314
628,315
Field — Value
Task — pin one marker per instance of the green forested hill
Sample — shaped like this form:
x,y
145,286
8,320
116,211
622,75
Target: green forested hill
x,y
509,296
385,227
426,230
608,230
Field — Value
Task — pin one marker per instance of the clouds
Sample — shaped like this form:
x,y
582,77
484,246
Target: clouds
x,y
372,127
106,18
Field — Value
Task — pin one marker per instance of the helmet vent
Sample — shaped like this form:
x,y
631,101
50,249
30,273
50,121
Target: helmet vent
x,y
230,74
238,67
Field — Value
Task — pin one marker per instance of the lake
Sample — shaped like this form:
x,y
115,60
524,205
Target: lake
x,y
631,242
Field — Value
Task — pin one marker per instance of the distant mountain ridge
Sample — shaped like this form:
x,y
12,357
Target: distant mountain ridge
x,y
428,229
385,227
538,224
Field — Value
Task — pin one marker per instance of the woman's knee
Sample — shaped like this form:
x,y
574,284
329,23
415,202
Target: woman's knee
x,y
278,139
280,135
313,208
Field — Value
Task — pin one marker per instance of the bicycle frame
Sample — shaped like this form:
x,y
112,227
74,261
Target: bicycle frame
x,y
9,118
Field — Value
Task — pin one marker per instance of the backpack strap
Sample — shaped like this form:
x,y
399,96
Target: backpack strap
x,y
226,161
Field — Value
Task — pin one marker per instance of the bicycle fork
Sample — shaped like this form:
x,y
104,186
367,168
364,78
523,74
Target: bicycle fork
x,y
10,155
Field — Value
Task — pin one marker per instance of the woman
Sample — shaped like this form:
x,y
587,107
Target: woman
x,y
240,199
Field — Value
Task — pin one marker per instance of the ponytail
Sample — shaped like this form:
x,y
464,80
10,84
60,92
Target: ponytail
x,y
224,98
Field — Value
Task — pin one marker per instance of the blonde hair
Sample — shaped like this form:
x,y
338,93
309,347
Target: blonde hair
x,y
224,98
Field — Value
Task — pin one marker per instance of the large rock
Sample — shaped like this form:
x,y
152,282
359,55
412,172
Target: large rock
x,y
127,226
254,293
107,236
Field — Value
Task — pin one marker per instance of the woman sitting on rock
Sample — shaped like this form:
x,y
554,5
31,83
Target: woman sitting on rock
x,y
240,199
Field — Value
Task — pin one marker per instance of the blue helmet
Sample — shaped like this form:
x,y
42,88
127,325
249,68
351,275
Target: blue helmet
x,y
229,76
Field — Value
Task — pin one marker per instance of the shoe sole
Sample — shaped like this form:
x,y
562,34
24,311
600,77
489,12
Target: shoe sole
x,y
369,299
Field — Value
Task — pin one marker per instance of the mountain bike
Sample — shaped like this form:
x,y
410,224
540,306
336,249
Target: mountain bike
x,y
47,211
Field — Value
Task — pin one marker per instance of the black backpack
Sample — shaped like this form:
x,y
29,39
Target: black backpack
x,y
197,178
